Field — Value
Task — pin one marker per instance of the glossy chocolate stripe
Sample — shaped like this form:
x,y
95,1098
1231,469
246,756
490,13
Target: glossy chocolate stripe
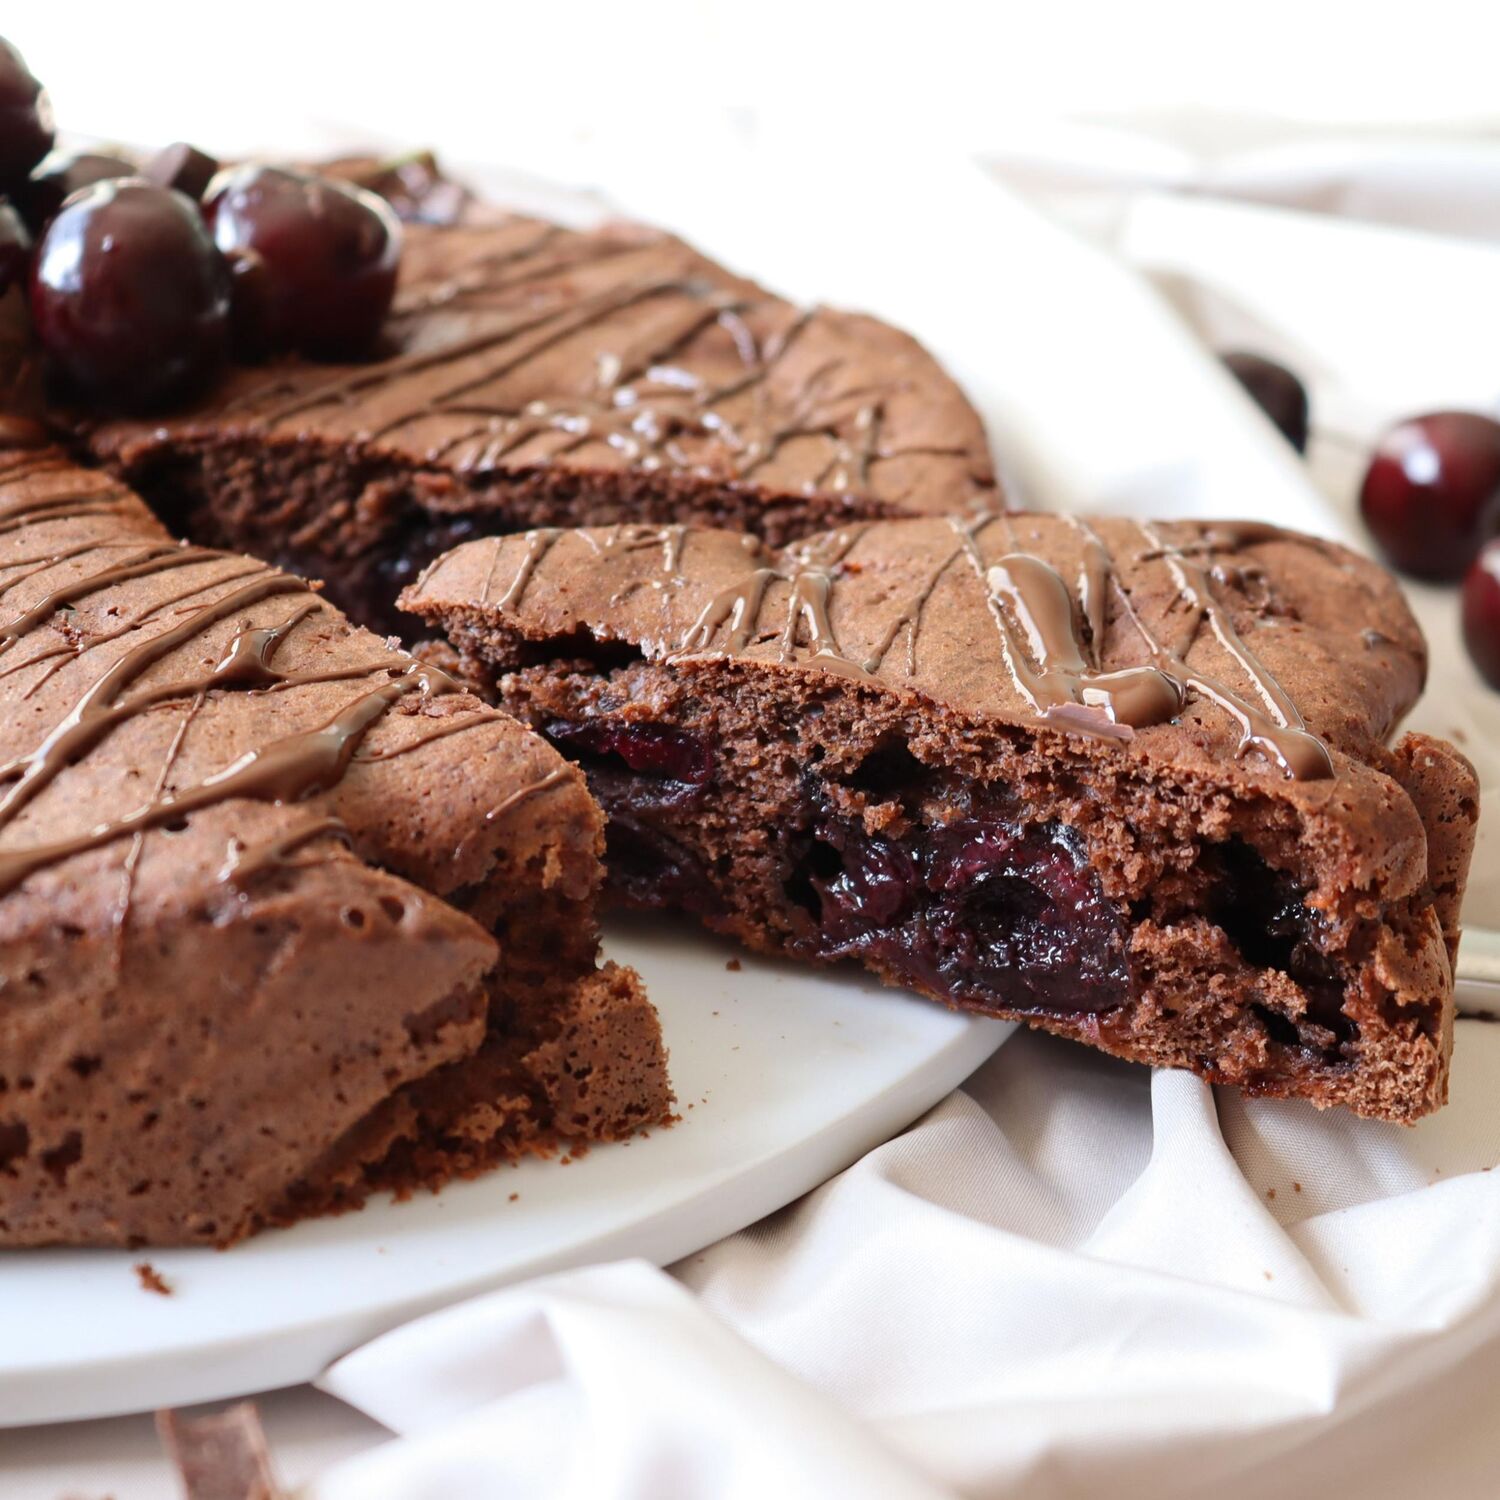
x,y
98,711
1062,684
644,406
157,559
285,770
1282,732
244,865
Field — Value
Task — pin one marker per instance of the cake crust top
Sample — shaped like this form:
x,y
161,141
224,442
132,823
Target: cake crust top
x,y
1231,643
520,343
220,716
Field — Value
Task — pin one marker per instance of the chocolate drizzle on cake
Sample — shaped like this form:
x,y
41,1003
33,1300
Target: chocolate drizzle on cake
x,y
244,864
641,404
537,544
1048,661
1051,637
1280,730
282,770
534,377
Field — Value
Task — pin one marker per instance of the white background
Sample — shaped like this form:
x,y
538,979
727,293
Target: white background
x,y
1292,1372
546,82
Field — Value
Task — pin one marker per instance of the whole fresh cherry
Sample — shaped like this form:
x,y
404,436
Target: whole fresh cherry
x,y
58,177
1275,390
1431,495
314,261
15,248
1481,612
26,132
129,298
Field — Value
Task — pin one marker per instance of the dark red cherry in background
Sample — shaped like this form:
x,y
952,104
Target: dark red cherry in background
x,y
1431,495
1275,390
15,248
58,177
26,132
129,298
1481,612
182,167
314,261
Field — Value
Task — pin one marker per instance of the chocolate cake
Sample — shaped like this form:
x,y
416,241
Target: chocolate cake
x,y
1128,783
537,375
285,917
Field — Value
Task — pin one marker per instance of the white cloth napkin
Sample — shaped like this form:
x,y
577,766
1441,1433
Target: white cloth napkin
x,y
1072,1278
1441,182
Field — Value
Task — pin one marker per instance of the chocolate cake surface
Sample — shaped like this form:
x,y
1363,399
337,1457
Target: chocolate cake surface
x,y
285,917
537,375
1129,783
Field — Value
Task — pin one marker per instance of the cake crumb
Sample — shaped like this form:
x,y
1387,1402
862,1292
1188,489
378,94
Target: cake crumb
x,y
1268,1276
1270,1192
514,1197
151,1279
1296,1187
734,966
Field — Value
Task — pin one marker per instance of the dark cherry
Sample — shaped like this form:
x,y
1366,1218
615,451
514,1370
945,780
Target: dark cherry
x,y
26,132
649,868
129,298
655,750
61,175
1431,495
983,910
1481,611
1264,913
315,260
182,167
1275,390
871,882
15,248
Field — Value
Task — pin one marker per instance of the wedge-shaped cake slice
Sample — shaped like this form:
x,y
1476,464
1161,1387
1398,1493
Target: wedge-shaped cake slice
x,y
539,375
1129,783
285,917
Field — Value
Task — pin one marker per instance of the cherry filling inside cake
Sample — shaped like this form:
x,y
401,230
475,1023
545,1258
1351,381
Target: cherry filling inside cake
x,y
824,834
983,909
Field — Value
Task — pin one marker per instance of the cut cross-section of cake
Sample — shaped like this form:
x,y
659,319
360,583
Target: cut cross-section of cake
x,y
539,375
1129,783
285,916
